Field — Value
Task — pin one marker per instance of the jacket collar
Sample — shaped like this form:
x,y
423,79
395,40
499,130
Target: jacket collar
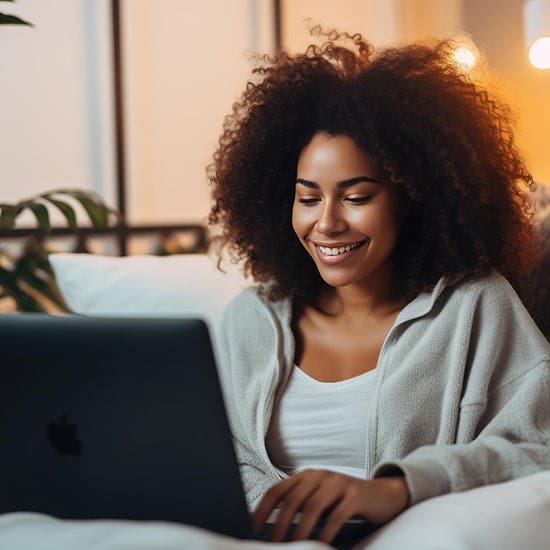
x,y
418,307
422,304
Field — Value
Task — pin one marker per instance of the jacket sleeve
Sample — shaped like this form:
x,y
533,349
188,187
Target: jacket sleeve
x,y
503,429
514,441
248,342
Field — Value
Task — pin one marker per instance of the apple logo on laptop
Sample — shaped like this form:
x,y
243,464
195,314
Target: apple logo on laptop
x,y
62,436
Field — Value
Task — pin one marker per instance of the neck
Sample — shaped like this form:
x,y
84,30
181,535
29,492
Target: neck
x,y
376,296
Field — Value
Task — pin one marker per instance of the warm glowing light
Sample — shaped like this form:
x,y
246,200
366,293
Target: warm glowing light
x,y
465,57
539,53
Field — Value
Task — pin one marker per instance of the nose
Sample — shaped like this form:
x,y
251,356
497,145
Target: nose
x,y
330,221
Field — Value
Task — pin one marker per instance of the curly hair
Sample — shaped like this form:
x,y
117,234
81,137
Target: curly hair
x,y
440,138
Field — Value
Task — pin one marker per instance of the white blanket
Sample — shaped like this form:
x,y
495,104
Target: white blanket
x,y
506,516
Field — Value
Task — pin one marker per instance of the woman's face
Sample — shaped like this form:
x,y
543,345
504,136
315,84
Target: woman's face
x,y
344,214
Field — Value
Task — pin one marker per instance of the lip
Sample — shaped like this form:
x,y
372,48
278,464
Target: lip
x,y
339,258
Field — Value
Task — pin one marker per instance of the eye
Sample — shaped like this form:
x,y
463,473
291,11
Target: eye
x,y
363,199
308,201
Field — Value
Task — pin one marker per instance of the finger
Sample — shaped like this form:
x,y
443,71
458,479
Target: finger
x,y
292,503
325,497
269,501
343,511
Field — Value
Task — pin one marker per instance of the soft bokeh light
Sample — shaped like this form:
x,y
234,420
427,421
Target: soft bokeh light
x,y
539,53
465,57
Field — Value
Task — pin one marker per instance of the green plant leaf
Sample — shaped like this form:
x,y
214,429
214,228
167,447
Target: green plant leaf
x,y
66,209
8,282
31,270
97,210
35,258
33,280
40,213
23,301
34,269
8,214
6,19
7,279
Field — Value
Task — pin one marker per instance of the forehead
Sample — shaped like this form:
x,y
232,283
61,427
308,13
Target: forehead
x,y
327,156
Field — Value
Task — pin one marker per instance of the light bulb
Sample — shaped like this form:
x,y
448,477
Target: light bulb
x,y
465,57
539,53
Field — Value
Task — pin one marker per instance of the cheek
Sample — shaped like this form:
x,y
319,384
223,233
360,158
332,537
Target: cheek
x,y
379,224
382,225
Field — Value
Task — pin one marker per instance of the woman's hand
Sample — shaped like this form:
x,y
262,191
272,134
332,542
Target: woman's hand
x,y
315,492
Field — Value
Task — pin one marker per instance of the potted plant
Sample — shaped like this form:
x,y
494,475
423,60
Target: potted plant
x,y
27,277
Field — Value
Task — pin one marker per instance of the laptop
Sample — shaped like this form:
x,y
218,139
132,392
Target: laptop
x,y
116,418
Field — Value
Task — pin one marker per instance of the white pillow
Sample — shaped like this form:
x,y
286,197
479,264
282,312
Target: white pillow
x,y
504,516
187,285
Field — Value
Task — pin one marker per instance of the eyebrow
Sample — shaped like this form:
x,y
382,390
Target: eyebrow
x,y
341,184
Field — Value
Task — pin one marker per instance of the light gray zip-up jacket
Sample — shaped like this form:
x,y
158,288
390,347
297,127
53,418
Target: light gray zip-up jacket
x,y
462,395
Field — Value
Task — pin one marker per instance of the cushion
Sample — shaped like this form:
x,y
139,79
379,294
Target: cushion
x,y
187,285
504,516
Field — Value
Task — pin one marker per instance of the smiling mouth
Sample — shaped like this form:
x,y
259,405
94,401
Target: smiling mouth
x,y
338,250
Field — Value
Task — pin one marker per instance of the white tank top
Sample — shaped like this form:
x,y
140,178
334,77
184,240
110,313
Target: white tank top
x,y
321,425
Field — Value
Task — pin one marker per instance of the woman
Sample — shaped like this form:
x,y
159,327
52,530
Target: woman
x,y
384,359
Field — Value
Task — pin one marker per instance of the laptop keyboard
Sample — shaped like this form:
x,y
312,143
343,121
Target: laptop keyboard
x,y
352,532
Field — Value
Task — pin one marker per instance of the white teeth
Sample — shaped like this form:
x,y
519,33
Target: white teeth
x,y
338,250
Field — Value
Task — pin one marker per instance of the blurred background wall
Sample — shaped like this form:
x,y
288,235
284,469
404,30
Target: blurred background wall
x,y
185,63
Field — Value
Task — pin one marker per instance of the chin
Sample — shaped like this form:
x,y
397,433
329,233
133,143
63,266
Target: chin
x,y
336,282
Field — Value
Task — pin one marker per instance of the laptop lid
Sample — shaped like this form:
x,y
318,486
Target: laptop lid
x,y
116,418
